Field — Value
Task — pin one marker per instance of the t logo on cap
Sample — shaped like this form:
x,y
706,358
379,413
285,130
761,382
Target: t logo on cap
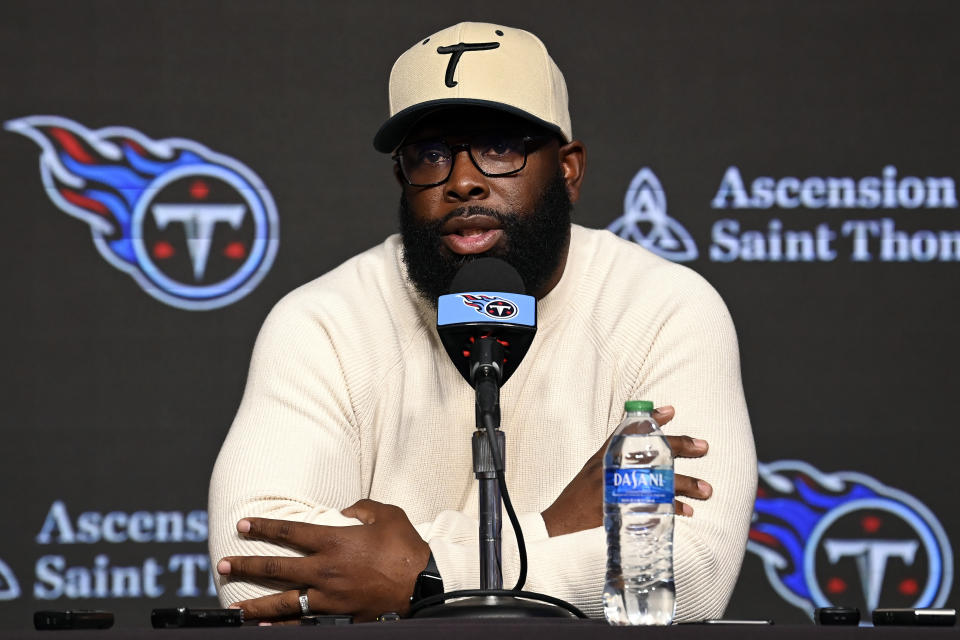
x,y
457,50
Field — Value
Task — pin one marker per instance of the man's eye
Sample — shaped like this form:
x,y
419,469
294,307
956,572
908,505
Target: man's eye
x,y
432,156
498,148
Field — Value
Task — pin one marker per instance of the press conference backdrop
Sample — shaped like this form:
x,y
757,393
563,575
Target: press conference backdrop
x,y
171,169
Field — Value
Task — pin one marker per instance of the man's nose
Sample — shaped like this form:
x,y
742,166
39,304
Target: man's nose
x,y
466,182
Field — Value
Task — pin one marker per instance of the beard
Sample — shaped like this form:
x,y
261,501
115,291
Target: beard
x,y
534,242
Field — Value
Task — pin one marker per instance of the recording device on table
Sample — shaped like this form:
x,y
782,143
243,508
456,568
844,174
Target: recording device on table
x,y
180,617
328,620
72,619
486,324
836,616
915,617
886,616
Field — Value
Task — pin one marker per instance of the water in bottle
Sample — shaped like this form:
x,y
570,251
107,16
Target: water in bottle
x,y
638,517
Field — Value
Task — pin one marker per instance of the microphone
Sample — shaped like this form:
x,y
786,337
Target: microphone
x,y
487,322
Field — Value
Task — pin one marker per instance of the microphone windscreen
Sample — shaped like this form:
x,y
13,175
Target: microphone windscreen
x,y
487,274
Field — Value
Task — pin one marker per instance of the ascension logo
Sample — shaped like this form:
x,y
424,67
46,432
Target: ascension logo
x,y
9,587
194,228
821,535
645,220
493,306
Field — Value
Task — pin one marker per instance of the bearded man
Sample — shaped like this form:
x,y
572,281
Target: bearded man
x,y
347,472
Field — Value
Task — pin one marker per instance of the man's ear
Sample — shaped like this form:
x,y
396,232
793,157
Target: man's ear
x,y
573,164
398,174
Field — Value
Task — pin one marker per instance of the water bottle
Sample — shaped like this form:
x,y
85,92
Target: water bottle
x,y
638,517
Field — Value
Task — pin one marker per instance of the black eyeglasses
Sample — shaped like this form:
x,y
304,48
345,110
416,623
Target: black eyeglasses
x,y
427,163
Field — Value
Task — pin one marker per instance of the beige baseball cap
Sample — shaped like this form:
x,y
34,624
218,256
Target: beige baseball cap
x,y
475,64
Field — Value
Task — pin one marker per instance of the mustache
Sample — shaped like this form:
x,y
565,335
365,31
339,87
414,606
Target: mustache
x,y
505,219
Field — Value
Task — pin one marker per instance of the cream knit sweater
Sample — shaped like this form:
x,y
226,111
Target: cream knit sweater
x,y
350,395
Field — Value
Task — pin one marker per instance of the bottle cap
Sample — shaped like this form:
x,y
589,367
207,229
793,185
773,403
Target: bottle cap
x,y
633,406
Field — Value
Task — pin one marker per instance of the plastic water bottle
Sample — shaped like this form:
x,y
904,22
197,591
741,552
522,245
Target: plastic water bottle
x,y
638,517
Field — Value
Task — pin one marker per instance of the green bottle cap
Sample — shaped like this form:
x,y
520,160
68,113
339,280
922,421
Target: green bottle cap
x,y
633,406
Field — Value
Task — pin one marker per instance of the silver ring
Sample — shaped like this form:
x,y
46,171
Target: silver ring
x,y
304,603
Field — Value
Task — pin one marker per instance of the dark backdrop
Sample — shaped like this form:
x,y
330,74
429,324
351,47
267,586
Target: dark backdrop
x,y
115,402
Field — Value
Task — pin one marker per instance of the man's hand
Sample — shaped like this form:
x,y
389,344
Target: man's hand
x,y
362,570
580,507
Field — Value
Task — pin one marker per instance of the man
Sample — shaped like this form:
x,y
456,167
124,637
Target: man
x,y
348,468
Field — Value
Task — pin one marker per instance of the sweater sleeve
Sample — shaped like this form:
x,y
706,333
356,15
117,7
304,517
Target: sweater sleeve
x,y
694,364
293,433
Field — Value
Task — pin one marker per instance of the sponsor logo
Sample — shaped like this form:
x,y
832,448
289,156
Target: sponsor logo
x,y
880,239
64,573
9,587
844,538
194,228
492,306
645,220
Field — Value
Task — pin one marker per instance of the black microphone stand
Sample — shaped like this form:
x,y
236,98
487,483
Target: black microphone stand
x,y
486,360
486,374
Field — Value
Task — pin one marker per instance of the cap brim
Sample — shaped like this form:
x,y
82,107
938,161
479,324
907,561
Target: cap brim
x,y
394,130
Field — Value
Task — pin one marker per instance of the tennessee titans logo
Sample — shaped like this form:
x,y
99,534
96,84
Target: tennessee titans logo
x,y
829,539
493,306
194,228
645,220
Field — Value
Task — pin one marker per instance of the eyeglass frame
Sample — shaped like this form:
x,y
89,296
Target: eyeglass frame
x,y
455,151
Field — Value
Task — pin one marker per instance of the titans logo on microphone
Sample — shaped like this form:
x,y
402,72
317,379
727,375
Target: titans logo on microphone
x,y
493,306
194,228
831,539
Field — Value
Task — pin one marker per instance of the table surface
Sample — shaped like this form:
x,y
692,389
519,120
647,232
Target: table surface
x,y
506,629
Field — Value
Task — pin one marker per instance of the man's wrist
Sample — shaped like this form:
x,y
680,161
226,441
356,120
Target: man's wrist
x,y
428,583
